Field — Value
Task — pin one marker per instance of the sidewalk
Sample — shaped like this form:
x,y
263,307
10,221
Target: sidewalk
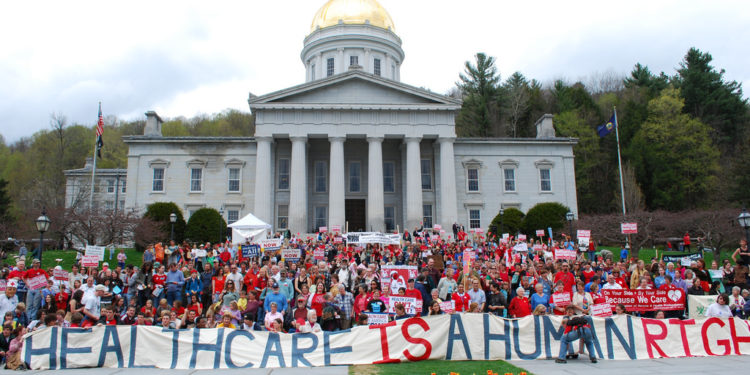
x,y
682,366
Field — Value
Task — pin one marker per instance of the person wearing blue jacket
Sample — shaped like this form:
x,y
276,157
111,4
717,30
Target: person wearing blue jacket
x,y
275,296
193,286
175,281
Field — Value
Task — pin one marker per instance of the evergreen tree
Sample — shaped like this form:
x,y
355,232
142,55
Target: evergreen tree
x,y
479,114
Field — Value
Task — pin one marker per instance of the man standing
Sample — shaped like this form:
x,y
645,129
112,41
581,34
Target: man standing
x,y
19,273
34,296
566,277
345,302
175,281
235,276
276,297
285,286
92,305
476,294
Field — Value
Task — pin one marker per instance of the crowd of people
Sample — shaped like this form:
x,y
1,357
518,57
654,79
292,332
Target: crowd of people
x,y
212,285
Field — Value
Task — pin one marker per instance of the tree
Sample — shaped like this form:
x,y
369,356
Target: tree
x,y
709,98
512,220
159,212
479,113
545,215
206,225
516,90
676,161
6,220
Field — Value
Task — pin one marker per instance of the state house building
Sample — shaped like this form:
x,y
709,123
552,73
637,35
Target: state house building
x,y
353,144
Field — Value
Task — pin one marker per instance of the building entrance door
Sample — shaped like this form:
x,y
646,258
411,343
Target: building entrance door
x,y
356,215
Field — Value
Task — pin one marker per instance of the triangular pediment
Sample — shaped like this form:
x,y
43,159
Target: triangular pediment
x,y
354,88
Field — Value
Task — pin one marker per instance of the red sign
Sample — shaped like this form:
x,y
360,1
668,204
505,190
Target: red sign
x,y
38,282
322,229
60,275
540,232
561,299
565,254
601,310
90,261
437,227
338,239
583,233
522,237
336,228
629,228
646,299
319,254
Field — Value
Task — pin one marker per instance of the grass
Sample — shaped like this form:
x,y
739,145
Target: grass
x,y
438,367
49,258
647,253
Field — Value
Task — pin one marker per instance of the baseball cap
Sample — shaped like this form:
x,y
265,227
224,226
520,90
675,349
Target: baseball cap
x,y
275,285
100,288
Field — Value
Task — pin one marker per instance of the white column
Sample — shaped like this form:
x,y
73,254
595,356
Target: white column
x,y
341,64
413,183
375,202
366,64
298,186
449,213
321,67
263,200
337,186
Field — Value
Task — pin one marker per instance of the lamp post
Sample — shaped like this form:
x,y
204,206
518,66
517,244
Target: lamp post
x,y
221,230
744,220
42,225
570,218
502,212
172,219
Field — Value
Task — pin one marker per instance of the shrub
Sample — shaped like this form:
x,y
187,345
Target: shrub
x,y
545,215
206,225
512,222
159,213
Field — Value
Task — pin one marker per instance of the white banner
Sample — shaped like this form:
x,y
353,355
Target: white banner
x,y
456,337
373,237
697,305
271,244
95,250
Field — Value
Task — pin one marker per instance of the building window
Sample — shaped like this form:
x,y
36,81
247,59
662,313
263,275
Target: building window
x,y
475,219
158,184
389,177
312,72
232,216
284,174
472,178
320,176
110,186
234,180
510,179
196,179
545,180
320,217
353,60
122,204
376,67
389,214
283,217
427,215
123,186
355,174
426,174
329,67
109,205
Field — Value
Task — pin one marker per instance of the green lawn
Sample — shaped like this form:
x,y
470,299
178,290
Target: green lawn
x,y
647,253
438,367
49,258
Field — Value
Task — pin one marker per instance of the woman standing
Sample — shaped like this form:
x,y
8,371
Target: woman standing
x,y
217,283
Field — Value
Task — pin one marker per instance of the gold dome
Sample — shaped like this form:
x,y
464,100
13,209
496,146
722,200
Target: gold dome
x,y
352,12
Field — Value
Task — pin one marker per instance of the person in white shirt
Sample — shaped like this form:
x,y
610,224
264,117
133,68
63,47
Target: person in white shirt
x,y
92,304
311,325
611,284
88,288
720,308
9,300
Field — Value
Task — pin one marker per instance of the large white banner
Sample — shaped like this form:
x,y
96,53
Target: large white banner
x,y
450,337
372,237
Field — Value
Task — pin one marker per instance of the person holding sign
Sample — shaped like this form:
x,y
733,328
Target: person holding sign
x,y
31,278
576,327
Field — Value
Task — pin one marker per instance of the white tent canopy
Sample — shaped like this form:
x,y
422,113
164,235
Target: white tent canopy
x,y
249,228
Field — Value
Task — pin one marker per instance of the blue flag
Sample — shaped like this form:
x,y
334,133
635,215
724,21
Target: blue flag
x,y
607,128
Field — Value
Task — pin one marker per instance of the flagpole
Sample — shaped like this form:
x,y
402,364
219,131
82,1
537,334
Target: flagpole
x,y
619,162
93,170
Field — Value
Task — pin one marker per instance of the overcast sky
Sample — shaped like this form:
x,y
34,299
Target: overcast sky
x,y
183,58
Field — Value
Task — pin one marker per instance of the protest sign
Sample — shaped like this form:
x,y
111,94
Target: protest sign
x,y
540,232
583,233
61,275
565,254
646,299
322,229
95,250
469,337
716,274
289,253
506,236
338,239
271,244
200,253
561,299
410,304
319,253
522,237
682,258
601,310
250,251
373,318
697,305
448,307
521,247
336,228
437,227
404,272
90,261
629,228
37,282
538,248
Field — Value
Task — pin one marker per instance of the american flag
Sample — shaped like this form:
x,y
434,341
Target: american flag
x,y
99,132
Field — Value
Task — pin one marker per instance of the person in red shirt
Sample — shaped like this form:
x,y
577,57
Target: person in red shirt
x,y
620,280
588,273
462,298
108,317
520,306
686,241
567,278
411,292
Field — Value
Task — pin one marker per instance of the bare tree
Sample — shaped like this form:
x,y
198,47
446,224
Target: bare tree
x,y
517,95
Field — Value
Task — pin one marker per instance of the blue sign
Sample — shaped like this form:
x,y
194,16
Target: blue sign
x,y
250,251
